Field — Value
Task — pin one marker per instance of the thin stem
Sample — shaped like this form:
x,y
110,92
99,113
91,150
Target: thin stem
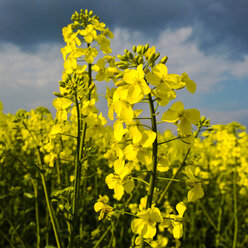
x,y
49,206
235,205
19,238
161,198
142,118
102,237
37,219
6,237
123,212
81,126
167,141
154,155
168,179
139,179
77,178
154,161
208,216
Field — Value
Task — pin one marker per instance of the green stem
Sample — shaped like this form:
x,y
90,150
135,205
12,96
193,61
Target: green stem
x,y
208,216
154,161
102,237
19,238
6,238
154,155
161,198
77,178
217,242
50,211
235,206
49,206
78,165
37,219
48,203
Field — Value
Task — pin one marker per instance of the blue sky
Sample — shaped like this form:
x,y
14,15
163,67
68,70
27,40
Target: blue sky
x,y
208,39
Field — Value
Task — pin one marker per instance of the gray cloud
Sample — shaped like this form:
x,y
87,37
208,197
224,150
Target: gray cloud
x,y
218,25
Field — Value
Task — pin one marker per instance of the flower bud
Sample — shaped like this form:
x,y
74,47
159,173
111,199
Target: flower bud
x,y
141,60
157,56
146,47
164,60
91,13
151,57
57,94
139,48
130,55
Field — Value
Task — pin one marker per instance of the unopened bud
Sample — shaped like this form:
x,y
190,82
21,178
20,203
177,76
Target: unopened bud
x,y
118,76
130,55
139,47
157,56
151,57
164,60
146,70
91,13
134,49
146,47
57,94
141,60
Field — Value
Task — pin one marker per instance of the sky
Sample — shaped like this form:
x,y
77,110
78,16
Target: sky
x,y
208,39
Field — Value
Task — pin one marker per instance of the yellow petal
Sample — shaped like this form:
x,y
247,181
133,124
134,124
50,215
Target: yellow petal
x,y
190,84
181,208
193,115
195,193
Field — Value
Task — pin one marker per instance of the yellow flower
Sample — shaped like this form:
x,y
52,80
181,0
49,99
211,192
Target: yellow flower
x,y
196,191
165,83
174,222
177,112
89,33
90,54
146,223
120,180
102,206
190,84
70,37
104,43
137,87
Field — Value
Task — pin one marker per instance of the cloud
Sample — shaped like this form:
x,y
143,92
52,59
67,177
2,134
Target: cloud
x,y
185,56
28,78
19,68
220,25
